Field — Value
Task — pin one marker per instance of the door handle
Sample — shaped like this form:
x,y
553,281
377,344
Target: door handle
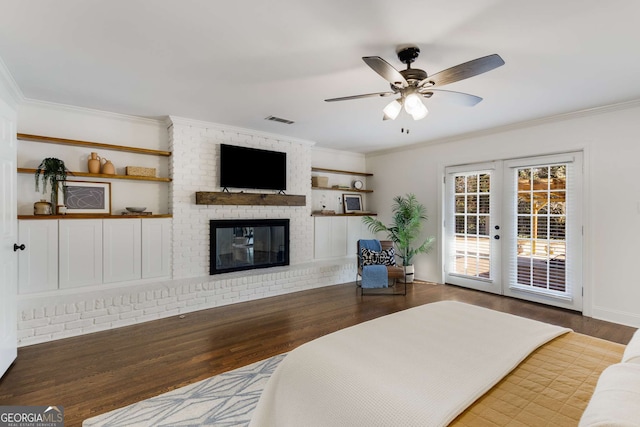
x,y
16,247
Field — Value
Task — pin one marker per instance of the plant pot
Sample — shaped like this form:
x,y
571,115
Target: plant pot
x,y
408,273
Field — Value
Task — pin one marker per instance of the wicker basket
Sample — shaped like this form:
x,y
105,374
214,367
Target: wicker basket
x,y
320,181
140,171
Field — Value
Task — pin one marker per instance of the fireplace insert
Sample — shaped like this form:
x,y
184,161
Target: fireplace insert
x,y
246,244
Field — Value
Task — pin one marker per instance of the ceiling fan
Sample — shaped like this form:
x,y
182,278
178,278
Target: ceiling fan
x,y
413,84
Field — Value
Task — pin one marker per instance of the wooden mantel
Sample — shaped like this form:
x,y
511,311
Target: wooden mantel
x,y
246,199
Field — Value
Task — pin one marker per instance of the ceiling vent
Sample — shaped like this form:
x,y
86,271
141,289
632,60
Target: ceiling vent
x,y
278,119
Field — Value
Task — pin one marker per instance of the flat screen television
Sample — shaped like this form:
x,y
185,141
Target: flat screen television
x,y
243,167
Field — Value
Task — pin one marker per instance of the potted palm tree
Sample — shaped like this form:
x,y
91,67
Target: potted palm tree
x,y
52,171
408,215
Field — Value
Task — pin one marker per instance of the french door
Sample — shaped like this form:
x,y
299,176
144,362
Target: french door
x,y
514,227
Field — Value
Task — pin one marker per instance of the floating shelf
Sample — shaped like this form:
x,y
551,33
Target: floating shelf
x,y
248,199
102,175
343,214
63,141
344,190
340,172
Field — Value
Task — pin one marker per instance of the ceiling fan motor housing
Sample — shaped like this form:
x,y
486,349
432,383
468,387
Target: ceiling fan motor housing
x,y
408,54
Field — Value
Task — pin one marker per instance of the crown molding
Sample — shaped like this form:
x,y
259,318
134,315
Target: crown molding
x,y
9,90
516,126
92,112
174,120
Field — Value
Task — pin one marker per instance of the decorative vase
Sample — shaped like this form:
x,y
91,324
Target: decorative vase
x,y
408,273
42,208
94,163
108,168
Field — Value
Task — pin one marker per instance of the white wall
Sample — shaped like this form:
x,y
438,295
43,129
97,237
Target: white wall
x,y
54,120
609,138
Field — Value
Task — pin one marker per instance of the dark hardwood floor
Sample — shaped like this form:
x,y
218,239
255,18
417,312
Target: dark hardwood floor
x,y
96,373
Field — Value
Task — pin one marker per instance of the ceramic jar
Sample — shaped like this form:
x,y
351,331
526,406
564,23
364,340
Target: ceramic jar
x,y
94,163
42,208
108,168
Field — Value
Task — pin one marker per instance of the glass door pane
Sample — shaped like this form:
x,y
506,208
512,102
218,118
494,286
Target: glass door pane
x,y
470,246
542,217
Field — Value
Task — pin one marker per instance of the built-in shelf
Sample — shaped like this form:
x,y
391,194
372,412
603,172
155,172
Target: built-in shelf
x,y
63,141
344,190
248,199
102,175
342,172
92,216
343,214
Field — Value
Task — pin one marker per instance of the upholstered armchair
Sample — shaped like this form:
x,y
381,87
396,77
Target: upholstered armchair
x,y
377,268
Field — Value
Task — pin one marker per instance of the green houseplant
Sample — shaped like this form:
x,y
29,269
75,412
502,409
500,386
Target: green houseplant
x,y
52,171
408,215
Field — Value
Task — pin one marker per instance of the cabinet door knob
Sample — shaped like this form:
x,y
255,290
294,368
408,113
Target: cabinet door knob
x,y
16,247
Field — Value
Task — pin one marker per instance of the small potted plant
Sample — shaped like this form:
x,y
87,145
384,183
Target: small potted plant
x,y
52,171
408,215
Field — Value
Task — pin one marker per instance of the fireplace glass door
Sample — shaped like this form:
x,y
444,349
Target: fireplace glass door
x,y
247,244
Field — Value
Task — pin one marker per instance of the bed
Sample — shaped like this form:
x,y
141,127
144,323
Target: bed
x,y
445,363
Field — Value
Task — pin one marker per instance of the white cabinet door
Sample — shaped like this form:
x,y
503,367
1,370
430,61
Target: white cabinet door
x,y
156,244
122,249
80,256
356,230
38,262
330,238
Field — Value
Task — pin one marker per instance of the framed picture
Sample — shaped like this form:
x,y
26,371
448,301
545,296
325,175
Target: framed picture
x,y
84,197
352,203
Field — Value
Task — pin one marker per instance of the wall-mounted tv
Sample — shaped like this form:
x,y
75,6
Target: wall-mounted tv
x,y
243,167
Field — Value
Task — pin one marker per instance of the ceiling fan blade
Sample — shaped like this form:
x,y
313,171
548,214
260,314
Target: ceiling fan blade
x,y
464,71
367,95
387,71
459,98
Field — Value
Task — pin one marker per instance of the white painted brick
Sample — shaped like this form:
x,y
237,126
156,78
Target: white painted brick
x,y
65,318
106,319
94,313
46,330
32,324
78,324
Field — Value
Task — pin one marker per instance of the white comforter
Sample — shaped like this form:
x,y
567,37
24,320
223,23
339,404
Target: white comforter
x,y
418,367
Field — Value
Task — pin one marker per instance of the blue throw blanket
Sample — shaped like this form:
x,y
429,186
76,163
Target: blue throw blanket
x,y
374,276
371,244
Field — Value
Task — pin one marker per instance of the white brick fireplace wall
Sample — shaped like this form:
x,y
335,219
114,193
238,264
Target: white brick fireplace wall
x,y
194,167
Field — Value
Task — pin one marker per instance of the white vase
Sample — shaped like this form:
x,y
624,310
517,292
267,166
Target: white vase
x,y
408,273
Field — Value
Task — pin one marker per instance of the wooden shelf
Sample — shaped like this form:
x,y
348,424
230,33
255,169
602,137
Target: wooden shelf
x,y
344,190
102,175
51,140
92,216
248,199
343,214
340,172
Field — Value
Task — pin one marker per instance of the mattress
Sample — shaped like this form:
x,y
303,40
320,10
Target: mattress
x,y
552,386
419,367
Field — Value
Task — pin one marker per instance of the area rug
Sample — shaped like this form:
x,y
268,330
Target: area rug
x,y
227,399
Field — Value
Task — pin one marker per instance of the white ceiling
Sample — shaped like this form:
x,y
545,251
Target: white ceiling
x,y
237,62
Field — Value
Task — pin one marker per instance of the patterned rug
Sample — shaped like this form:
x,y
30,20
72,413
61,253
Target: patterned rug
x,y
227,399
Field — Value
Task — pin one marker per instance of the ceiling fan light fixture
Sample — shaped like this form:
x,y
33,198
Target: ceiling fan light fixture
x,y
421,113
414,106
392,110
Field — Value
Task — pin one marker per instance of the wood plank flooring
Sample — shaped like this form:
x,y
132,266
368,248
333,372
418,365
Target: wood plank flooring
x,y
96,373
